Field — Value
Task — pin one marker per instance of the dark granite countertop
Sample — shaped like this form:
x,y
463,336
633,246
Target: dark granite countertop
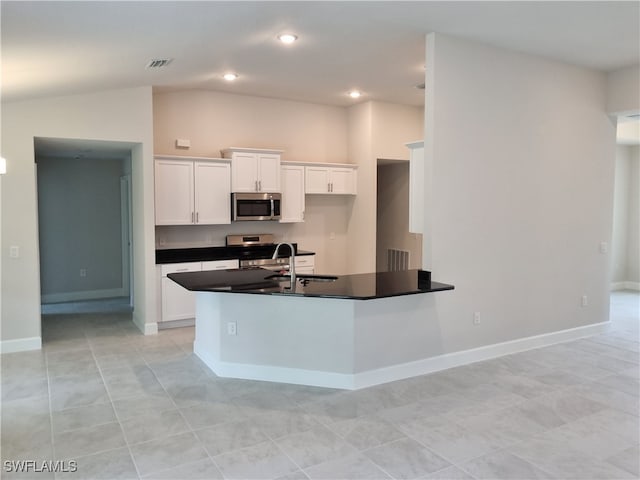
x,y
204,254
357,287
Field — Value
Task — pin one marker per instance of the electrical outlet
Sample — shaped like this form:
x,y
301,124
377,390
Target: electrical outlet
x,y
585,301
476,318
83,272
604,248
14,251
232,328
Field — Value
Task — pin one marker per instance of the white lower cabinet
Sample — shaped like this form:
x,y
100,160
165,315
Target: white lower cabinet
x,y
220,265
305,264
178,303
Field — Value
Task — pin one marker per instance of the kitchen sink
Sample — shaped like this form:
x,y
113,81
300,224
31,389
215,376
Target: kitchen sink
x,y
304,278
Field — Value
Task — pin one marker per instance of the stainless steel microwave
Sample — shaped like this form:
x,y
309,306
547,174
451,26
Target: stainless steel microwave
x,y
255,206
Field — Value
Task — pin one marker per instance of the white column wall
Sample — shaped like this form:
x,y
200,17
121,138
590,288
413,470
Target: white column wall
x,y
520,162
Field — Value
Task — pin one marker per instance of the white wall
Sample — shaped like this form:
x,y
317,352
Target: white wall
x,y
80,227
307,132
619,238
120,115
520,166
623,93
625,247
633,238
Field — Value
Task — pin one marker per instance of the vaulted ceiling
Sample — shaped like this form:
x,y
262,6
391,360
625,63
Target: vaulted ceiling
x,y
58,48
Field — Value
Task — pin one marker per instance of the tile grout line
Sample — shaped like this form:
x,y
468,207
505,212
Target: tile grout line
x,y
115,413
177,408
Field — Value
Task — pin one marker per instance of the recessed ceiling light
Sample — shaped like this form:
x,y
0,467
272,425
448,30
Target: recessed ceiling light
x,y
355,94
230,77
287,38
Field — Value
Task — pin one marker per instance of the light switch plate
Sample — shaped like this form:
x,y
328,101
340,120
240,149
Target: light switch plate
x,y
14,251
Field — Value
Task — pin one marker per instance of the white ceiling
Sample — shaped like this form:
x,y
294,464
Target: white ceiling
x,y
58,48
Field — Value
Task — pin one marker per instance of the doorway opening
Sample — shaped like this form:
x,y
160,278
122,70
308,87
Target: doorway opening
x,y
396,247
625,242
84,225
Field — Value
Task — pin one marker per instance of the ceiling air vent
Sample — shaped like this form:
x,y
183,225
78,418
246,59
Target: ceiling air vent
x,y
159,62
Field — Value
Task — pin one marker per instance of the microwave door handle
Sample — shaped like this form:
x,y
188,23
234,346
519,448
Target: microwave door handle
x,y
273,208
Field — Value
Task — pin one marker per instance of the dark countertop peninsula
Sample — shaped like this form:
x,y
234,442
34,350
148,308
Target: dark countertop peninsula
x,y
356,287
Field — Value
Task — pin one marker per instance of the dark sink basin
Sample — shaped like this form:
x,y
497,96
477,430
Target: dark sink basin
x,y
304,277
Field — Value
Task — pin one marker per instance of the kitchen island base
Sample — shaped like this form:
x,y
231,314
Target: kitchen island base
x,y
337,343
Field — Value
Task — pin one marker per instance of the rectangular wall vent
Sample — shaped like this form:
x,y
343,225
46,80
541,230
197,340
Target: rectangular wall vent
x,y
397,260
159,62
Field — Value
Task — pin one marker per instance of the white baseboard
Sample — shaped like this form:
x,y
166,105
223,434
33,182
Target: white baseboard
x,y
144,327
269,373
188,322
84,295
625,286
465,357
21,345
395,372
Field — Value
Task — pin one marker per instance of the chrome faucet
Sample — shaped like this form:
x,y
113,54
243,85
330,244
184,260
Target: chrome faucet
x,y
292,262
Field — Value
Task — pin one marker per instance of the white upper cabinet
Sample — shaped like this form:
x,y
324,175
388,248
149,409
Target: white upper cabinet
x,y
331,180
191,190
174,192
254,170
292,182
212,193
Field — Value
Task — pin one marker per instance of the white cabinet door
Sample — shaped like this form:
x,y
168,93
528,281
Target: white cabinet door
x,y
292,209
174,192
330,180
316,180
220,265
342,181
178,303
212,193
244,172
305,264
268,173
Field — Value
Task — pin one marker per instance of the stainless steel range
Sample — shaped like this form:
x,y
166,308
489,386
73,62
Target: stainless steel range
x,y
258,250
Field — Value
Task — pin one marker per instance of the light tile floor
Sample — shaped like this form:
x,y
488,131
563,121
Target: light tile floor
x,y
123,405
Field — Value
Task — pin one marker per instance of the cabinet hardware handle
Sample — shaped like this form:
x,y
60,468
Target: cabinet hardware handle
x,y
260,185
197,217
182,269
192,218
328,187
